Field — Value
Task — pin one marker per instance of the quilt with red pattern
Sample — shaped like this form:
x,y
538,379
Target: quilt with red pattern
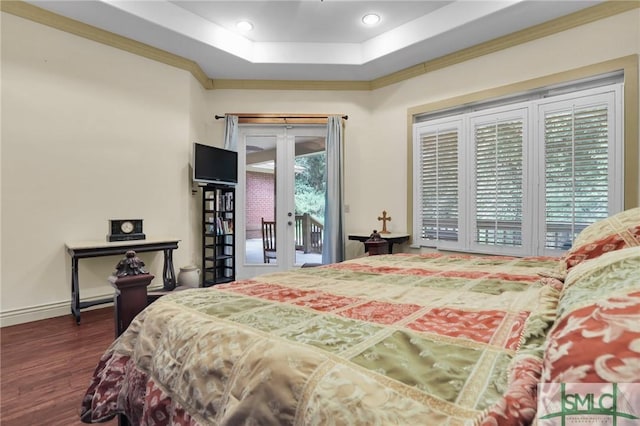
x,y
403,339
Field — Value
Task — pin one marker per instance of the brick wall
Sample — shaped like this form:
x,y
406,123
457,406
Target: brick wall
x,y
260,201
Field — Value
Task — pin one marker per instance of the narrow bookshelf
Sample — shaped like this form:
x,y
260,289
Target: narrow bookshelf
x,y
218,237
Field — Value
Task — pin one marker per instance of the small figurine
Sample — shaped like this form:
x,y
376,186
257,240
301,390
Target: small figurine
x,y
375,236
130,265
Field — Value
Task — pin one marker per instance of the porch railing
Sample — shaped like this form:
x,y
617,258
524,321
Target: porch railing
x,y
558,235
308,234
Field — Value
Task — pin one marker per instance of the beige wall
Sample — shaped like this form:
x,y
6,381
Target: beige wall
x,y
90,133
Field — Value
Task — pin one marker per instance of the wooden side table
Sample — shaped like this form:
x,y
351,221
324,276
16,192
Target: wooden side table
x,y
375,247
87,249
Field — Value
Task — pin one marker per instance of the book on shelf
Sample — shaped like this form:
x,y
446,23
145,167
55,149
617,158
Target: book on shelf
x,y
224,202
228,226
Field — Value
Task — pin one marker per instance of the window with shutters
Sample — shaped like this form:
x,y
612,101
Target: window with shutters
x,y
438,199
498,143
521,179
580,165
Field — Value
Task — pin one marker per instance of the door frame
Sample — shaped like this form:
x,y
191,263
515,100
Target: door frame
x,y
284,197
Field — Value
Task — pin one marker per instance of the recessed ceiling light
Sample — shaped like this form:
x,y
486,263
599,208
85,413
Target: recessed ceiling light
x,y
371,19
244,26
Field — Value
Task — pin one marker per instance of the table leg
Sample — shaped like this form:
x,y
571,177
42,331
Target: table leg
x,y
75,290
168,273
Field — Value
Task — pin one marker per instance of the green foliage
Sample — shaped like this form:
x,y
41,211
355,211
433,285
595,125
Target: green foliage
x,y
310,185
310,171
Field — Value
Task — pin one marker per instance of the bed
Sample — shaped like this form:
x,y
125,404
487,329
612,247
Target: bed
x,y
400,339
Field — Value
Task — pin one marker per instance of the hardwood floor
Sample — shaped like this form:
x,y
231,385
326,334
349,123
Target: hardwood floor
x,y
45,367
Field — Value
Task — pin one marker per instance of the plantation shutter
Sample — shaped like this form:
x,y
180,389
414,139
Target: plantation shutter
x,y
520,178
439,184
577,171
499,181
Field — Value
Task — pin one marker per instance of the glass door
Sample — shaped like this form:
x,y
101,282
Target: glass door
x,y
281,190
309,195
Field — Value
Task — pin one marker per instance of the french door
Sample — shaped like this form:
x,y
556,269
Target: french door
x,y
281,181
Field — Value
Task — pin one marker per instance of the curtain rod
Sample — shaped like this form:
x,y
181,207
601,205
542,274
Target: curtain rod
x,y
282,117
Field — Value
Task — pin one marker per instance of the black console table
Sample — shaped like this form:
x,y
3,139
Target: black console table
x,y
80,250
392,238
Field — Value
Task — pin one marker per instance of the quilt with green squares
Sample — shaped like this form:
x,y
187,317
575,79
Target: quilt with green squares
x,y
401,339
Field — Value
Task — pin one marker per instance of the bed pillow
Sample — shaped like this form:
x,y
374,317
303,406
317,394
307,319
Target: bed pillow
x,y
596,335
613,233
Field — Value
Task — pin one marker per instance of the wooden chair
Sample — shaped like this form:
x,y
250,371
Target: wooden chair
x,y
268,240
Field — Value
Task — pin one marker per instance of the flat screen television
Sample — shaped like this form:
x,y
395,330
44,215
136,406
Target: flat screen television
x,y
214,165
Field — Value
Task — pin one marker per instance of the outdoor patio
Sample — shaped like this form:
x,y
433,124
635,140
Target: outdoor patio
x,y
254,254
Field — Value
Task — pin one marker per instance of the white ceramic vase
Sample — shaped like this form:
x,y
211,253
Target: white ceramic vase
x,y
189,276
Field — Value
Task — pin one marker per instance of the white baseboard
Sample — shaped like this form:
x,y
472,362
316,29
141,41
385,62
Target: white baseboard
x,y
50,310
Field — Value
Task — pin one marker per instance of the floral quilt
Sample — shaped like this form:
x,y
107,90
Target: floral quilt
x,y
401,339
596,337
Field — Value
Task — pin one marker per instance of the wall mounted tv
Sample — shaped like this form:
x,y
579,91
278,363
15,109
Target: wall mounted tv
x,y
214,165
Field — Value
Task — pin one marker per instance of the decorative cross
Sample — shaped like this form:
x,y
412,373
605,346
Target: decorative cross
x,y
384,218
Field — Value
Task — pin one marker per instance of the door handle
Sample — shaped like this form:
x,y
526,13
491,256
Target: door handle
x,y
289,223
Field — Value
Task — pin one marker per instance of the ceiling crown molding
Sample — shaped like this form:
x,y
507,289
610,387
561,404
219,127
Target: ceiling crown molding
x,y
80,29
44,17
592,14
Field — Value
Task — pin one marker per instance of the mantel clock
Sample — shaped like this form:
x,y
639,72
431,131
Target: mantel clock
x,y
125,230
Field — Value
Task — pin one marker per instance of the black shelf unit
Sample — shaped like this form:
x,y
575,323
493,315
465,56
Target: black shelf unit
x,y
218,236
